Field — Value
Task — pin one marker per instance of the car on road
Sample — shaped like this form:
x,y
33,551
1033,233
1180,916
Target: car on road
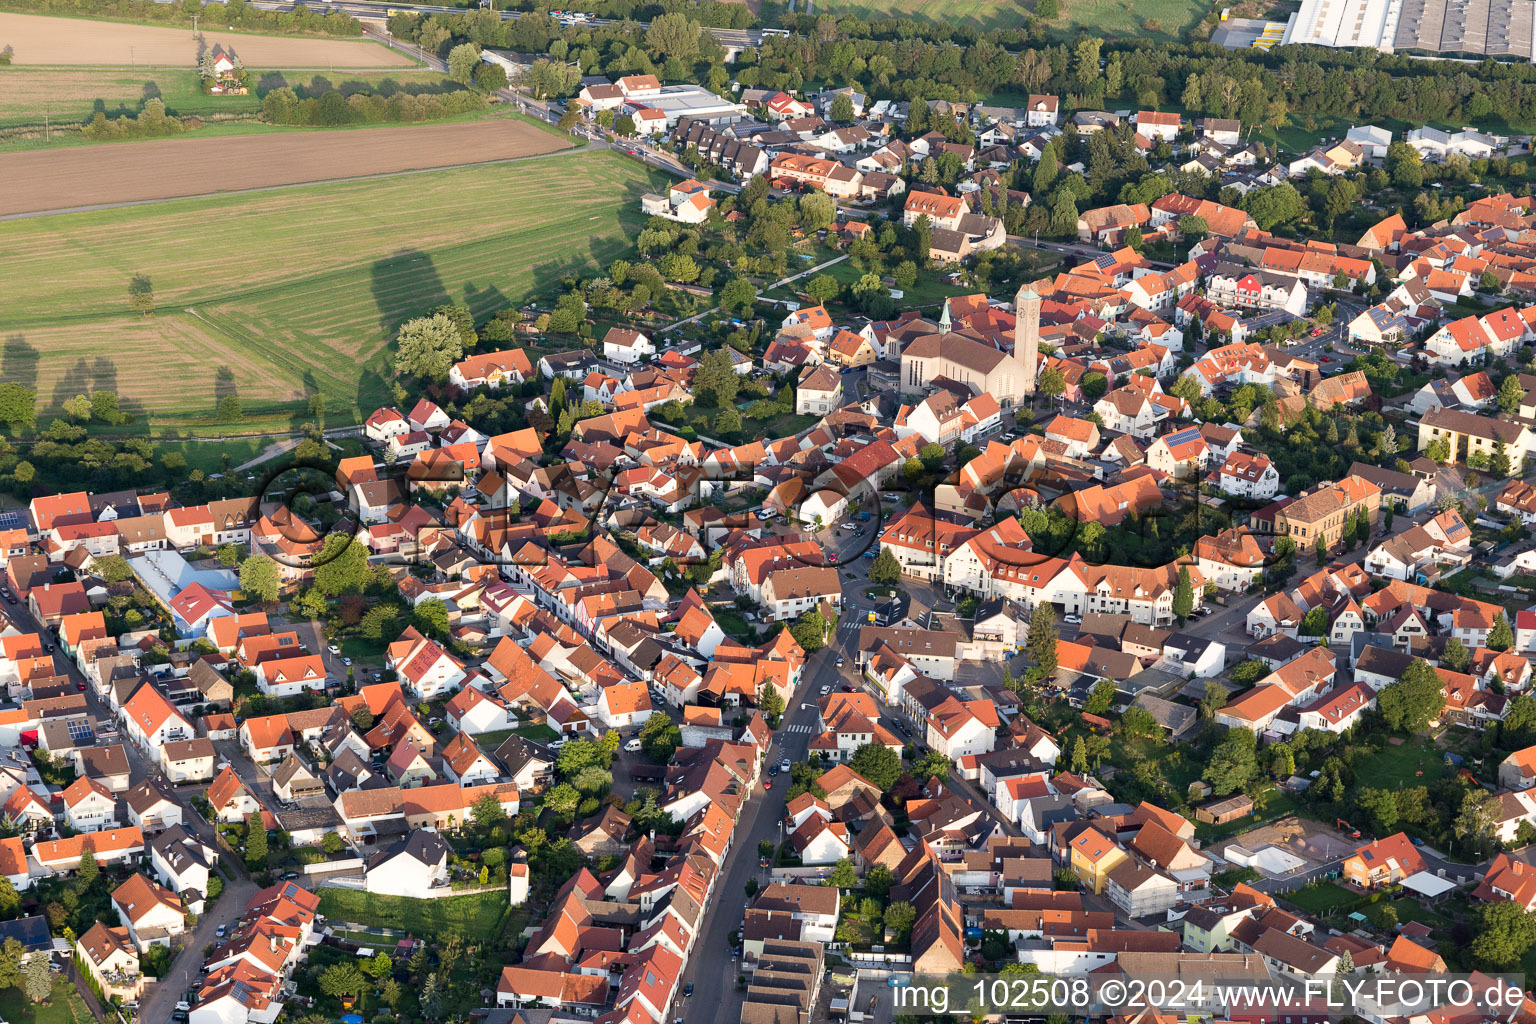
x,y
221,930
1318,333
826,690
773,769
1072,620
767,784
784,765
1326,359
434,722
632,152
80,686
9,597
688,989
839,662
291,876
832,557
633,745
347,662
334,649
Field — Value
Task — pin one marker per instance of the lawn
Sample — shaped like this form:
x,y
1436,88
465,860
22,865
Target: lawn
x,y
1396,766
476,918
1321,899
276,295
1158,19
64,1007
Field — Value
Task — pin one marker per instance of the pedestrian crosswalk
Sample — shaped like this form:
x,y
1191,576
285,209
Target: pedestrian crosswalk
x,y
799,728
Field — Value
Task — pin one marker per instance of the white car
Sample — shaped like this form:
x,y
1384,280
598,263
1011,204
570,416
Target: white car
x,y
334,649
784,765
632,746
1072,620
826,690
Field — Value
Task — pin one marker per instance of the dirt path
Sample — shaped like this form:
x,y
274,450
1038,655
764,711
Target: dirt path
x,y
121,173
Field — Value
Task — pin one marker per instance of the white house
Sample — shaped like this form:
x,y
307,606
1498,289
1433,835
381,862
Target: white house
x,y
957,728
89,806
289,677
413,870
183,863
621,705
626,346
151,912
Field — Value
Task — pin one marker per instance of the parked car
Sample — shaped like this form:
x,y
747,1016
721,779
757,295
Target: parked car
x,y
1075,620
334,649
219,932
784,765
826,690
633,745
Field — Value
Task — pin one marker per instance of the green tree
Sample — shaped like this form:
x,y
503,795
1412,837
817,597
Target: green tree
x,y
342,566
823,288
487,812
810,631
1045,174
229,409
1214,700
1381,806
255,842
88,871
259,579
660,737
673,36
877,763
38,978
342,979
1041,640
1511,392
462,61
1477,821
886,570
1315,622
1233,763
1501,637
715,377
332,844
770,701
900,916
141,294
379,966
1455,655
931,455
727,421
1101,698
842,109
1052,383
562,800
1183,595
1503,932
18,406
428,347
431,619
1411,703
738,295
843,876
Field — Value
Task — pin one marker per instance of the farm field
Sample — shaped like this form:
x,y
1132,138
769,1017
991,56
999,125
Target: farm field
x,y
38,39
74,94
58,179
276,295
1169,18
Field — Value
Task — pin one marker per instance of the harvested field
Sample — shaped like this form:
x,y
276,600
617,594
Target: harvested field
x,y
277,295
37,39
166,168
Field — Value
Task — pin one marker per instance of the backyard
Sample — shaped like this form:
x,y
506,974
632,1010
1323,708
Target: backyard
x,y
478,917
65,1006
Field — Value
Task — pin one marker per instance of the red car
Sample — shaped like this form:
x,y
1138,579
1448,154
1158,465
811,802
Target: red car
x,y
767,784
832,557
1318,333
1326,359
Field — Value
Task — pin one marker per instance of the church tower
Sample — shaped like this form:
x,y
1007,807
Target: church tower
x,y
1026,334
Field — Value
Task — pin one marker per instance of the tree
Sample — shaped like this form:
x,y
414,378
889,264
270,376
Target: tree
x,y
562,800
113,569
342,566
1411,703
259,578
1138,723
10,902
141,294
487,812
1455,656
255,842
877,763
738,296
1102,697
378,966
88,871
1041,640
674,36
18,406
1501,637
431,619
842,109
727,421
843,876
1214,700
1234,762
716,377
428,347
900,917
1477,820
1510,394
905,274
342,979
886,570
39,979
462,61
229,409
660,737
1503,933
1320,549
1404,165
1381,806
1183,595
810,631
1052,383
823,288
490,78
1045,173
770,701
332,844
932,765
